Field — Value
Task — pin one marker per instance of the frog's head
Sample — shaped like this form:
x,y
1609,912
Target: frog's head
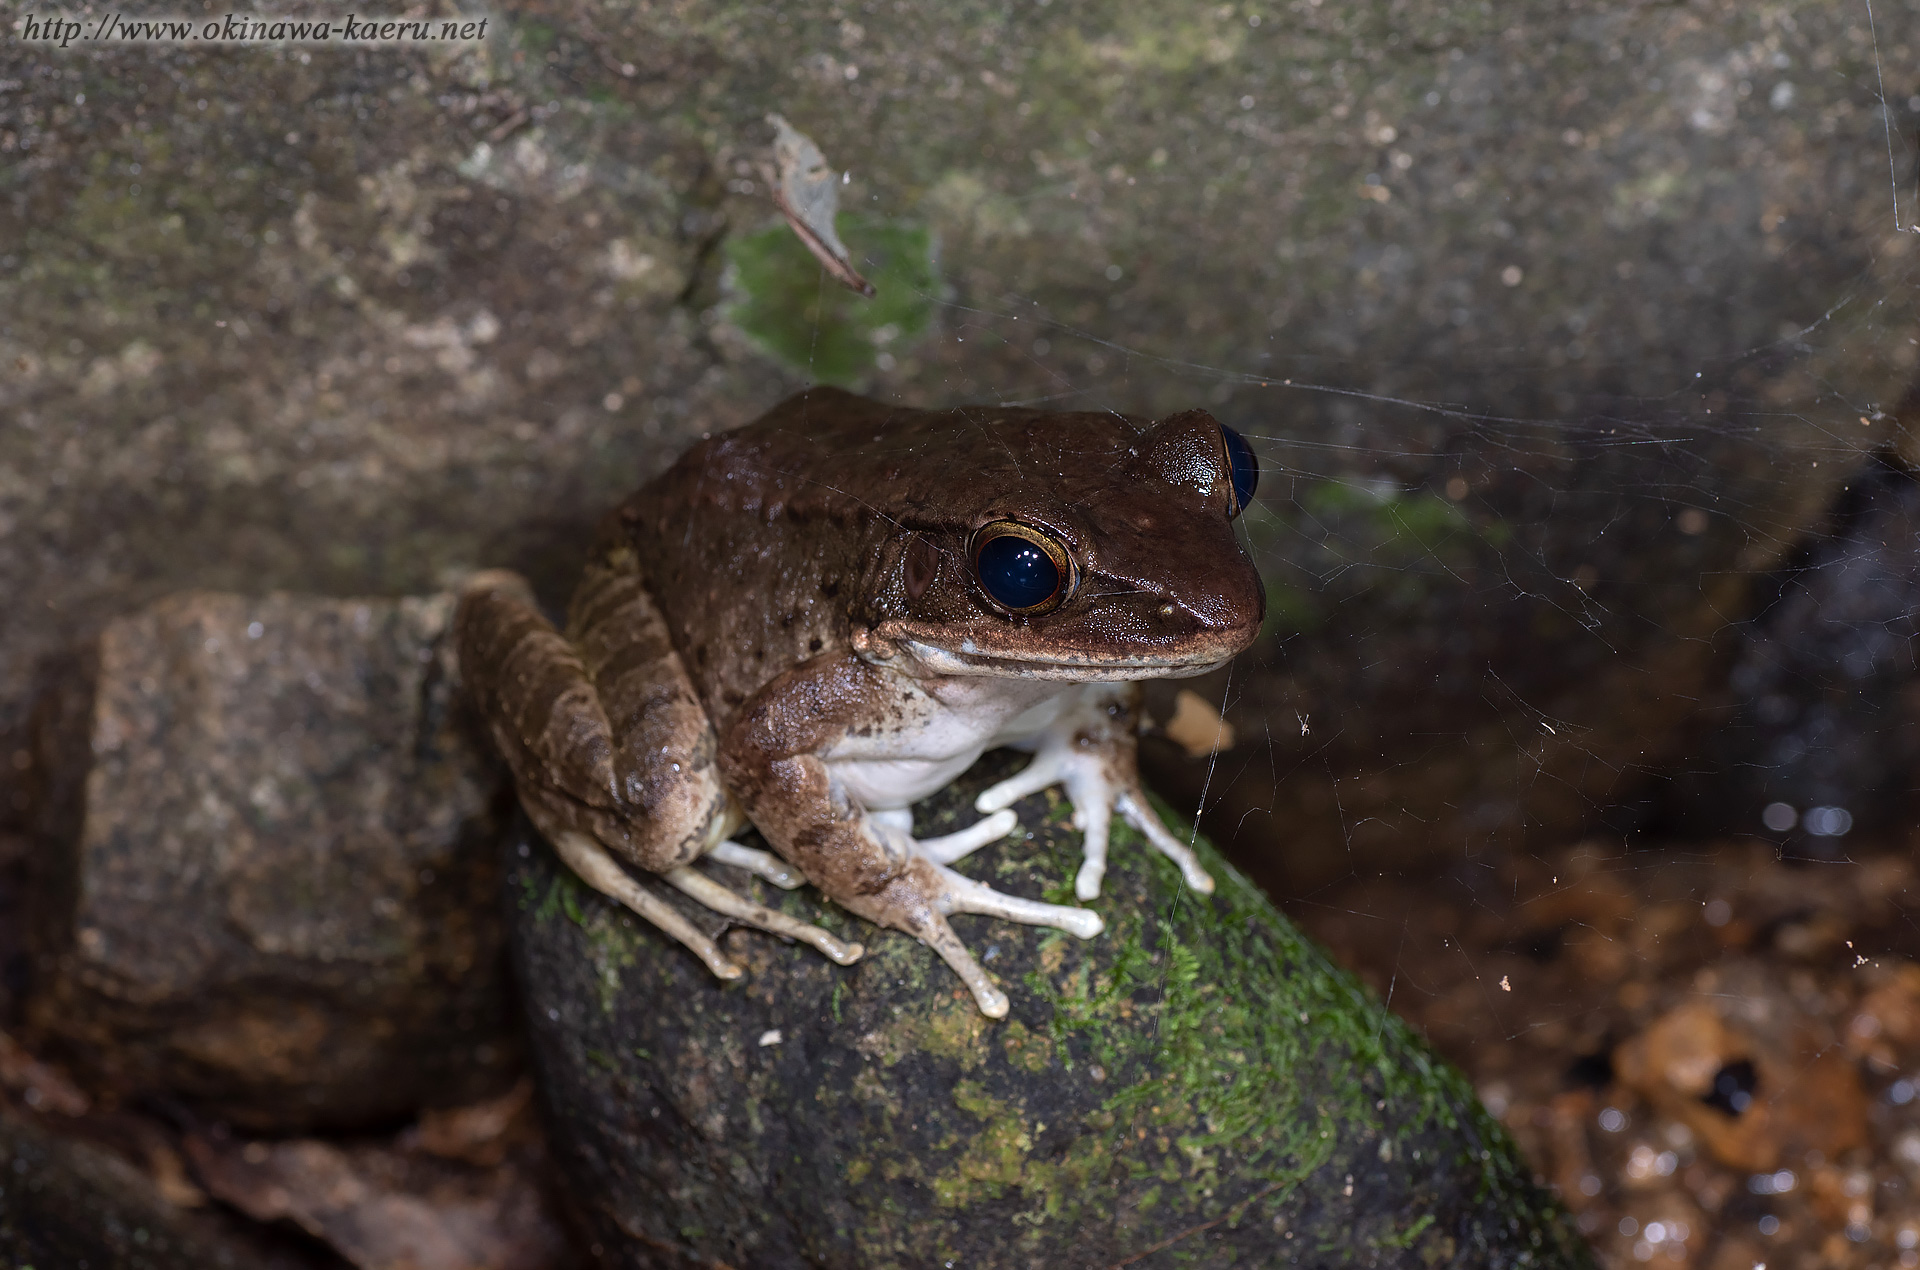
x,y
1075,547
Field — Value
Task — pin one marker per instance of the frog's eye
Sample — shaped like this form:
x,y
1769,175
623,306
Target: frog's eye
x,y
1020,568
1244,466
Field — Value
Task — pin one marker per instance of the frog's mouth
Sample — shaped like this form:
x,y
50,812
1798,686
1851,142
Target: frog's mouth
x,y
969,659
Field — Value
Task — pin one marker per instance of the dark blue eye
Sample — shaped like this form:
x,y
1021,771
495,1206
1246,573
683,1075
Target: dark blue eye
x,y
1021,568
1245,467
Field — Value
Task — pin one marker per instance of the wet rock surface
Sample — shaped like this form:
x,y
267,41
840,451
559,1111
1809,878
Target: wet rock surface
x,y
65,1205
267,877
340,320
1819,736
1197,1086
1708,1051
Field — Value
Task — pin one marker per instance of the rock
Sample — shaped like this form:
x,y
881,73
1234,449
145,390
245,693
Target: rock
x,y
372,314
267,887
1819,742
14,850
67,1206
1196,1086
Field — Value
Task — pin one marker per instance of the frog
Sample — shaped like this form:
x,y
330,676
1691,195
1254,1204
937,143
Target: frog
x,y
814,621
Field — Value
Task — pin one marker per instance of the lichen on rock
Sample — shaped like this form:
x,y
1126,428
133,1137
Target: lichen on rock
x,y
1197,1086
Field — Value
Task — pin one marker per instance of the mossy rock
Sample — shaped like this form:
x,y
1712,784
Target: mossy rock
x,y
1198,1086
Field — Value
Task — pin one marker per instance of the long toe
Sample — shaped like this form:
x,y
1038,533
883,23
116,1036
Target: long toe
x,y
595,866
954,846
721,900
964,895
1134,807
761,864
1044,771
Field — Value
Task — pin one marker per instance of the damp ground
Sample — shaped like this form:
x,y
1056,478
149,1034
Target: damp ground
x,y
1711,1051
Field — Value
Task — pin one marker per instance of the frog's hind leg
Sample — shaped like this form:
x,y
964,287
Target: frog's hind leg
x,y
611,750
602,729
592,863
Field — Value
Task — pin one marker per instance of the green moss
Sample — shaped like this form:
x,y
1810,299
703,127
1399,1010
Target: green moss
x,y
557,891
570,904
957,1030
1027,1050
785,301
610,937
992,1158
1198,1079
1212,1060
1405,1238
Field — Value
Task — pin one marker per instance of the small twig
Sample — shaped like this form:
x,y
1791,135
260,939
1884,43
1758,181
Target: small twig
x,y
506,127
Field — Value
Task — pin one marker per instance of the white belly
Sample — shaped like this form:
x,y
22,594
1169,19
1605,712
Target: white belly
x,y
886,784
938,731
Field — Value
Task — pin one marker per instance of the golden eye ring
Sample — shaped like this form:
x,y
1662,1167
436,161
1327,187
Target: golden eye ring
x,y
1023,570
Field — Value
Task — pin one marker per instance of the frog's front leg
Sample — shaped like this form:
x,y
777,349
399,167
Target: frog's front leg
x,y
611,752
1092,748
867,862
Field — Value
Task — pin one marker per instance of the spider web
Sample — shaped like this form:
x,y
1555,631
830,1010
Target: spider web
x,y
1672,612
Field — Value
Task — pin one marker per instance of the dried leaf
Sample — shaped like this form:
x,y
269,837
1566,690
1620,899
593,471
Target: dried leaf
x,y
479,1134
384,1208
1197,727
807,192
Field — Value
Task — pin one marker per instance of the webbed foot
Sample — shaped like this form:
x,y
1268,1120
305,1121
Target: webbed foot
x,y
921,898
1090,751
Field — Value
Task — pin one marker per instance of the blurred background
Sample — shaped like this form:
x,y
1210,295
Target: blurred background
x,y
1578,343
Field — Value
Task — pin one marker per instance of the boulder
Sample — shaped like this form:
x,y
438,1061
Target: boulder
x,y
1197,1086
265,883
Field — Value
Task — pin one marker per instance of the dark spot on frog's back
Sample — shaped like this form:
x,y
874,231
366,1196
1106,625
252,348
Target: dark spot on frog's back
x,y
814,645
830,588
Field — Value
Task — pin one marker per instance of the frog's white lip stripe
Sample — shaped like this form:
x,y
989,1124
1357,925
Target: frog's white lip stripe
x,y
970,660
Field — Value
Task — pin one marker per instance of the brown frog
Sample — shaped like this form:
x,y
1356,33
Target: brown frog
x,y
812,622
